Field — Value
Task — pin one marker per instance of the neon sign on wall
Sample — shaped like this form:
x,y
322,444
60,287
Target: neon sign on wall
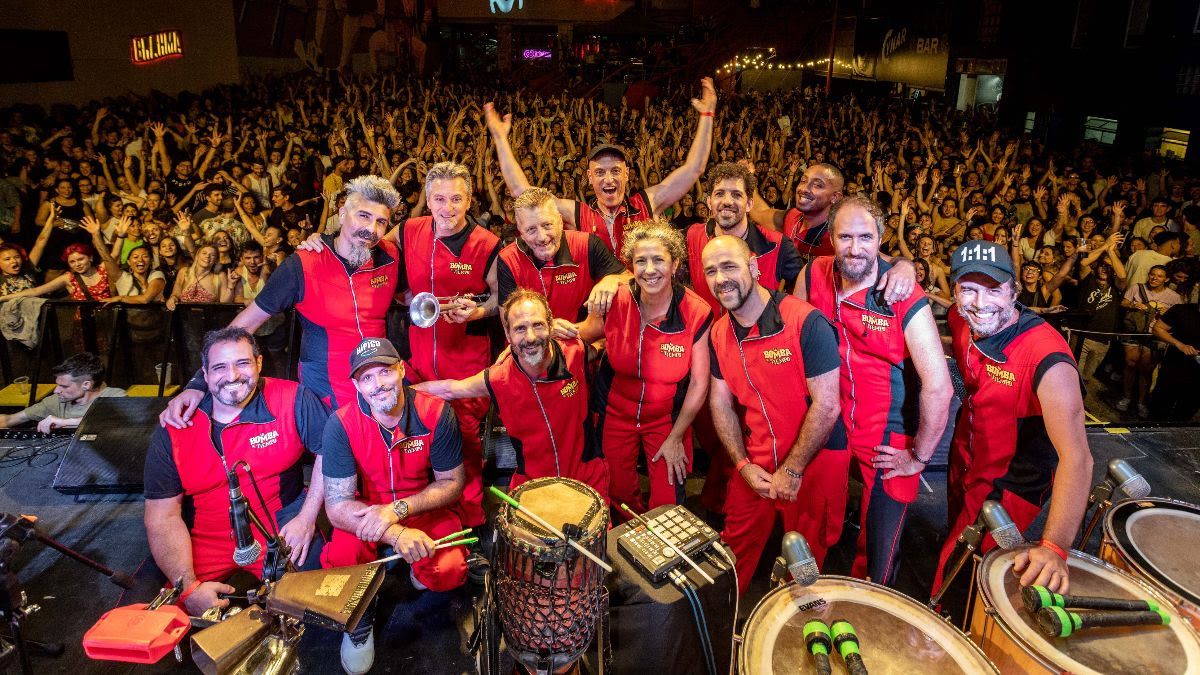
x,y
536,54
154,47
505,6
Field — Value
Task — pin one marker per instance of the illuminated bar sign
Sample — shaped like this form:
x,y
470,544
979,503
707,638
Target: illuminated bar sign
x,y
165,44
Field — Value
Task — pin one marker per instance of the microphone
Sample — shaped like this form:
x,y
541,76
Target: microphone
x,y
817,638
992,517
799,559
1037,597
1056,622
246,548
847,644
1121,477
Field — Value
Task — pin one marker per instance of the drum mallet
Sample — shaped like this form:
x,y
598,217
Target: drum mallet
x,y
846,641
1056,622
549,528
819,642
678,551
1037,597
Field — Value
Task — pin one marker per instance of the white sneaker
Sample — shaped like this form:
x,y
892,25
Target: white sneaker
x,y
357,659
1123,404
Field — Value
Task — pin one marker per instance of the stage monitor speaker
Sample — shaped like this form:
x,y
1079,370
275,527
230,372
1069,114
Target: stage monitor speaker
x,y
108,453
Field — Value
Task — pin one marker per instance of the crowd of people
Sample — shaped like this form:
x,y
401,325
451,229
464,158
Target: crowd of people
x,y
760,278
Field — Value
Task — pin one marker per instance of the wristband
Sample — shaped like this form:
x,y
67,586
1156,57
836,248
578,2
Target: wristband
x,y
741,464
793,474
707,114
1053,547
188,591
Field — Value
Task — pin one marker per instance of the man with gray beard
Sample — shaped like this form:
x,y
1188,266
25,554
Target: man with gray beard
x,y
341,292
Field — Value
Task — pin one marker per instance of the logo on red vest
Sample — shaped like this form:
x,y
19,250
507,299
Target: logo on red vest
x,y
379,281
566,278
876,323
264,440
778,357
671,350
1001,376
411,445
461,268
569,389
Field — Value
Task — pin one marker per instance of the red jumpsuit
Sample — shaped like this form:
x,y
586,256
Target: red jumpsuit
x,y
880,404
547,418
640,389
391,466
635,209
811,239
766,369
582,260
1001,450
445,267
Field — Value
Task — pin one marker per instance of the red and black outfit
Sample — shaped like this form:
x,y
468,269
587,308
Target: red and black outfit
x,y
547,417
271,434
880,394
810,239
392,464
1001,450
635,209
643,380
581,260
447,266
778,262
338,306
766,367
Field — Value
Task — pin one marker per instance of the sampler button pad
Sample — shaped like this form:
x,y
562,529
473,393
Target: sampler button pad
x,y
654,558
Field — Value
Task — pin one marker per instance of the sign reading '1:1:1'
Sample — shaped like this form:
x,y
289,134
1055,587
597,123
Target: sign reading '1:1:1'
x,y
165,44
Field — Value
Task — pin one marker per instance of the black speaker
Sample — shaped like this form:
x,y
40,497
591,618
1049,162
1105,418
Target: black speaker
x,y
108,453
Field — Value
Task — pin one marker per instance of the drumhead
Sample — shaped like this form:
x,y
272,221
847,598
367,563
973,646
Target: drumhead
x,y
1158,538
896,633
1102,651
557,501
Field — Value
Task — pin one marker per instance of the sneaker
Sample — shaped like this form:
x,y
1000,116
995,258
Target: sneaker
x,y
1143,410
1123,405
357,659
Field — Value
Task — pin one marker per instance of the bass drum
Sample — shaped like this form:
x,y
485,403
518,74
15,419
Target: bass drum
x,y
1155,539
1009,635
896,634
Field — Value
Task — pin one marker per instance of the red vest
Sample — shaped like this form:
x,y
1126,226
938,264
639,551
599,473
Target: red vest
x,y
270,446
634,210
447,350
566,281
645,370
763,243
339,310
1000,442
547,419
388,472
811,240
880,389
765,373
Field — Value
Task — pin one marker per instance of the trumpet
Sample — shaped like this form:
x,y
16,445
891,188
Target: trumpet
x,y
426,307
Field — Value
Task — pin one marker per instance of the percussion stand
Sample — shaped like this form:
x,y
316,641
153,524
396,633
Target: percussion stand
x,y
1101,497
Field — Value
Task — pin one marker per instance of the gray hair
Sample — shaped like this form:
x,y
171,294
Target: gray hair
x,y
532,198
374,189
860,201
448,171
655,229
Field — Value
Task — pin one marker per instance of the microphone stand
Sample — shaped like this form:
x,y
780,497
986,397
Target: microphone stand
x,y
277,560
1101,497
971,538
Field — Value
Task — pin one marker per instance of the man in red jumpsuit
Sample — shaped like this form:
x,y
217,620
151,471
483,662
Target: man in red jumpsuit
x,y
776,357
895,386
393,470
541,389
612,213
1020,437
806,223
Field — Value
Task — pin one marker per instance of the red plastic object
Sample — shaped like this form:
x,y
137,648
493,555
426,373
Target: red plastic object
x,y
135,634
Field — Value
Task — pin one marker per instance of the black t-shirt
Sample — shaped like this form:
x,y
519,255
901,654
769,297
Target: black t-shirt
x,y
445,453
1102,303
1184,321
178,187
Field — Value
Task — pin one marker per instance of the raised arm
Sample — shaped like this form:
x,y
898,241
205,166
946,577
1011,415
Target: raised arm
x,y
679,181
510,168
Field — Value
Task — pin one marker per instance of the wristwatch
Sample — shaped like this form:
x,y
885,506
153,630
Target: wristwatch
x,y
400,508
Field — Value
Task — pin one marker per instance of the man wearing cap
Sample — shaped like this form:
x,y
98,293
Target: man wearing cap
x,y
895,388
1020,435
611,214
379,453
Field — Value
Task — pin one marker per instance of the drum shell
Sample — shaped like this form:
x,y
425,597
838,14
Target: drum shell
x,y
852,599
1112,553
1013,654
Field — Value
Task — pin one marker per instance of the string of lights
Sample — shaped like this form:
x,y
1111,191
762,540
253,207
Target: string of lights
x,y
764,60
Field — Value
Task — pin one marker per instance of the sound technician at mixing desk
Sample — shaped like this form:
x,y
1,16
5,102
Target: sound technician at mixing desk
x,y
78,382
265,422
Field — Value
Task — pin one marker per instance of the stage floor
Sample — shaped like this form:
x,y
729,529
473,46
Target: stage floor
x,y
426,633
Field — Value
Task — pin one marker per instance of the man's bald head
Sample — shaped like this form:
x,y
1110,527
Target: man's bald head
x,y
730,270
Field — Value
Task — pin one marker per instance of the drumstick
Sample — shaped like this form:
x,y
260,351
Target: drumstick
x,y
397,556
550,528
452,536
646,524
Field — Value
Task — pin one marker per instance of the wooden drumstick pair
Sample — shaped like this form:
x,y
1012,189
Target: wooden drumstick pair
x,y
550,528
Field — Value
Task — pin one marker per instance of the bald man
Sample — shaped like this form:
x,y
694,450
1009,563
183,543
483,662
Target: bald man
x,y
806,222
775,358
